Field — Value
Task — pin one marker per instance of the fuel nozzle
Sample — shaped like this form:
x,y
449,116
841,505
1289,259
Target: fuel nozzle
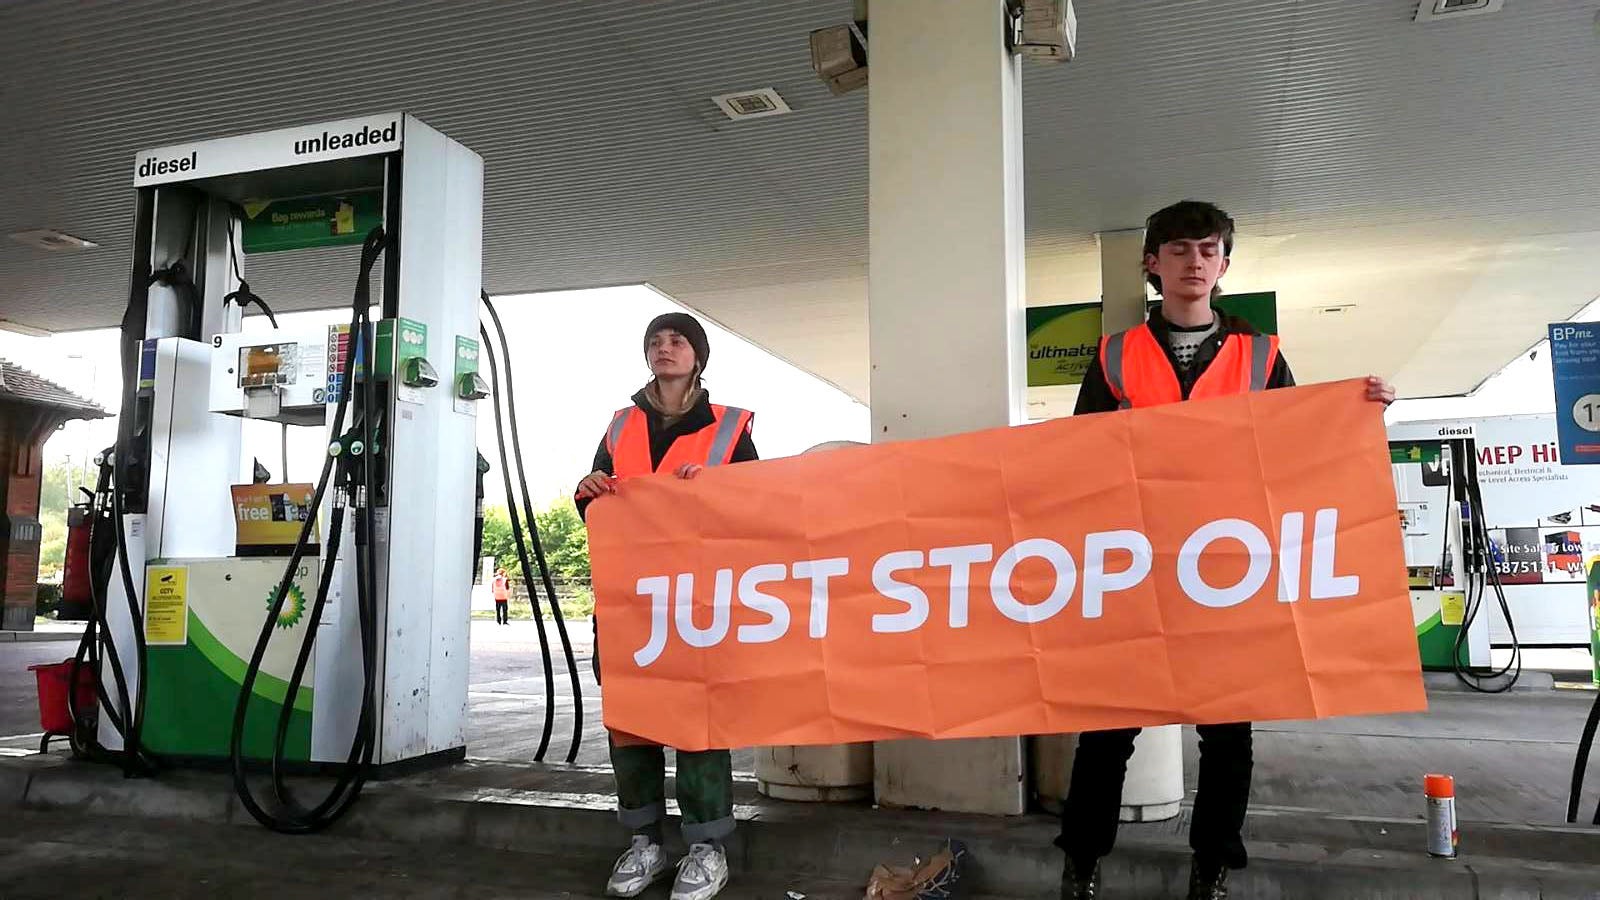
x,y
347,451
351,445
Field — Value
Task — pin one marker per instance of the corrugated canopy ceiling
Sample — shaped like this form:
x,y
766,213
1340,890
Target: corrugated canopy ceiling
x,y
1440,177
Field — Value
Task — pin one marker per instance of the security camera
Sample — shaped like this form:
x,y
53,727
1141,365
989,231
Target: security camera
x,y
839,56
1045,30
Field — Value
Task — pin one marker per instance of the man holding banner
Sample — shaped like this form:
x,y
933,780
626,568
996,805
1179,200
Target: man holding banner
x,y
672,426
1187,351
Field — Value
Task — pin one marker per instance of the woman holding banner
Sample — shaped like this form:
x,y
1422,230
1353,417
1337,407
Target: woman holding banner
x,y
672,426
1188,350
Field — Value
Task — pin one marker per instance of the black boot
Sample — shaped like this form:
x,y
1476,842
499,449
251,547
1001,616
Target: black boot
x,y
1077,884
1207,881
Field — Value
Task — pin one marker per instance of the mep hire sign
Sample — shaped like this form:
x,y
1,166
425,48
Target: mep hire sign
x,y
1226,560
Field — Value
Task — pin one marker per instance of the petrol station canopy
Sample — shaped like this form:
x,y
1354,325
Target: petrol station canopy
x,y
1423,196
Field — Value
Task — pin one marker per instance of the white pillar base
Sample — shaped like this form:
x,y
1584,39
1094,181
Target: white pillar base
x,y
981,775
823,774
1153,790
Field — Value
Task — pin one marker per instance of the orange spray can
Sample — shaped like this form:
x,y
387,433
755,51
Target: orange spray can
x,y
1444,835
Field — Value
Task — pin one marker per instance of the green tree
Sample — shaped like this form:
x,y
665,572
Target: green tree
x,y
566,543
53,502
497,540
53,492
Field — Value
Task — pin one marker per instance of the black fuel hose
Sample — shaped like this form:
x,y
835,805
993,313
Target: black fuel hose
x,y
135,757
1580,765
1481,576
522,553
242,295
102,544
356,451
533,533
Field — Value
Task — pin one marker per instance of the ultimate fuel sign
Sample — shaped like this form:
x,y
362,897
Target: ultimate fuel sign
x,y
984,585
1062,340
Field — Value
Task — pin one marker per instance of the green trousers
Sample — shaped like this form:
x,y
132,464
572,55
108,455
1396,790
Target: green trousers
x,y
705,790
705,786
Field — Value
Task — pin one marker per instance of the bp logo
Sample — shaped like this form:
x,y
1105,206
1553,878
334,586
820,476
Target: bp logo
x,y
294,608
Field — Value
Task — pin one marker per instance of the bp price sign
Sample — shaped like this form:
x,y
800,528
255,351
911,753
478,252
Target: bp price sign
x,y
1062,340
1575,363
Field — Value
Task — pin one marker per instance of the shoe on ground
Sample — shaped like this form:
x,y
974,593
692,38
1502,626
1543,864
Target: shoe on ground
x,y
1076,885
702,874
637,869
1207,881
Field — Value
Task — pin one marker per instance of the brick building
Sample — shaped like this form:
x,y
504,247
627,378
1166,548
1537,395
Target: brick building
x,y
31,409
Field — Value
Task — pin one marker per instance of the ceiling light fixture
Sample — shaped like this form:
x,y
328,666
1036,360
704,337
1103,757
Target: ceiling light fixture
x,y
743,105
28,330
1450,10
50,239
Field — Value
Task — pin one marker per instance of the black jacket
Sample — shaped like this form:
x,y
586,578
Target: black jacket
x,y
661,437
1095,396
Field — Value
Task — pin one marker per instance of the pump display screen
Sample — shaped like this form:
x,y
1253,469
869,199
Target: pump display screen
x,y
266,365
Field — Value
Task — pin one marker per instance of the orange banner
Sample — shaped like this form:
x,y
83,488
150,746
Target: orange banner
x,y
1217,561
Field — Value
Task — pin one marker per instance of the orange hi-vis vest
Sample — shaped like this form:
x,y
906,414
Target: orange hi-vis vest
x,y
1140,374
628,442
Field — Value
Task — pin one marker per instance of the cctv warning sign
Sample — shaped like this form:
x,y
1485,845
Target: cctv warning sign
x,y
166,606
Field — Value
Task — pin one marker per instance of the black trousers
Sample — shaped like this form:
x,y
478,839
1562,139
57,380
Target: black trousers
x,y
502,612
1094,799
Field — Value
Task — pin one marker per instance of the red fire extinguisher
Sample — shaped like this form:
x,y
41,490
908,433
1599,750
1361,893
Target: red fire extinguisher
x,y
76,595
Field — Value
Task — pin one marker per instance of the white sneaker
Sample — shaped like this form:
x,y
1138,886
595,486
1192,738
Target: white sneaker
x,y
637,869
702,874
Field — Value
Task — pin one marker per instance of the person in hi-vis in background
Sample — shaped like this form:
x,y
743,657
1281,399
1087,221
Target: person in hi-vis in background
x,y
502,598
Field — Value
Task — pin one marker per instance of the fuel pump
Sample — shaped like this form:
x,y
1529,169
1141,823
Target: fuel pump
x,y
1482,575
315,627
76,592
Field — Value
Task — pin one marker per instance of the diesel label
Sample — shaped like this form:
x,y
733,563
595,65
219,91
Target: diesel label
x,y
152,166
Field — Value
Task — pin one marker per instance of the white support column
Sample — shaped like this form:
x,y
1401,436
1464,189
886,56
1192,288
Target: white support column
x,y
1154,788
945,305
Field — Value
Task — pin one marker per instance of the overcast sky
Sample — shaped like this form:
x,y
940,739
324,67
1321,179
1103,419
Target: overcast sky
x,y
579,356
